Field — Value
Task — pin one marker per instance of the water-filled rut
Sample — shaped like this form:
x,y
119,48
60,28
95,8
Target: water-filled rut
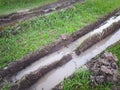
x,y
53,78
64,51
50,69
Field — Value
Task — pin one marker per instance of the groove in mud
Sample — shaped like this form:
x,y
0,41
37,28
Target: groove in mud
x,y
94,64
28,14
99,30
94,25
97,37
50,80
26,61
34,76
76,34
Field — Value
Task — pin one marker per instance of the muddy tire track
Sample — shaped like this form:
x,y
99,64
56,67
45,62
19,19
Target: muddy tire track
x,y
97,37
85,45
28,14
32,57
96,32
31,78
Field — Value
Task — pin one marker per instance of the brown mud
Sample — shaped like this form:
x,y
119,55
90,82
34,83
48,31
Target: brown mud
x,y
29,59
31,78
25,15
96,38
105,70
44,82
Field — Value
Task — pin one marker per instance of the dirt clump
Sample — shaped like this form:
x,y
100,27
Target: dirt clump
x,y
104,69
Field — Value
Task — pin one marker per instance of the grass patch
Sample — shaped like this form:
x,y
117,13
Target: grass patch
x,y
6,86
44,30
81,80
9,6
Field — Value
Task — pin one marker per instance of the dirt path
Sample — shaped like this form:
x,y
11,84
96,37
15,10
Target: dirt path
x,y
28,14
61,59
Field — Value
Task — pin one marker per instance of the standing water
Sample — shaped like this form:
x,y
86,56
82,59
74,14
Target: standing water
x,y
53,78
56,56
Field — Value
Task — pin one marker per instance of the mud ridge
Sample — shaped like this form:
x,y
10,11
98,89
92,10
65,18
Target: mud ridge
x,y
75,63
97,37
29,59
31,78
28,14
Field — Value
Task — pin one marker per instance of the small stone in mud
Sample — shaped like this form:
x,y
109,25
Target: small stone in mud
x,y
64,37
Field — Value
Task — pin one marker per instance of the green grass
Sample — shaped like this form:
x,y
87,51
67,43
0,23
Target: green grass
x,y
81,80
41,31
6,86
9,6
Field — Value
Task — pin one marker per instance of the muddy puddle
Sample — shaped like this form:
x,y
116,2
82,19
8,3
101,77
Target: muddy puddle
x,y
53,78
70,49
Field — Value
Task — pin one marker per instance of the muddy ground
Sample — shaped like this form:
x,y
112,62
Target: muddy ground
x,y
97,37
13,18
30,79
104,69
24,62
15,67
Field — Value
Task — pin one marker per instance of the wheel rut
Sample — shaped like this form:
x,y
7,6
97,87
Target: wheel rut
x,y
46,68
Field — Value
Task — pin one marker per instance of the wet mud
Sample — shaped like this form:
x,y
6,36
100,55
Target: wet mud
x,y
28,14
74,64
97,37
31,78
103,68
97,32
32,57
75,35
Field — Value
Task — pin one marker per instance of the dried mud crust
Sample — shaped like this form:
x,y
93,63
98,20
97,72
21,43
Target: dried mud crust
x,y
32,57
97,37
104,69
20,16
33,77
